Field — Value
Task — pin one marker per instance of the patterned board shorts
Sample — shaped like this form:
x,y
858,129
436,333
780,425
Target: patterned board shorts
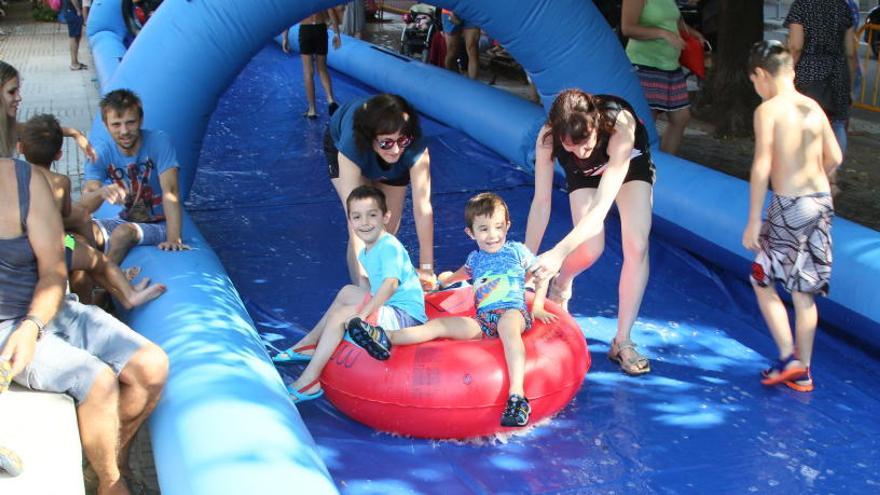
x,y
796,244
488,320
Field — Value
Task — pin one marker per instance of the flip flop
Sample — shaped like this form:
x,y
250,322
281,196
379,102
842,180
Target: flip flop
x,y
308,115
79,67
783,372
292,355
802,384
299,396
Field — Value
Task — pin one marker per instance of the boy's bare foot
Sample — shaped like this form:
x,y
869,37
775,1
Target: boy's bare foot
x,y
146,295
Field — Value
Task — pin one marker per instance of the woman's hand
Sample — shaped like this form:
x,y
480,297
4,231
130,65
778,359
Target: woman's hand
x,y
427,278
548,265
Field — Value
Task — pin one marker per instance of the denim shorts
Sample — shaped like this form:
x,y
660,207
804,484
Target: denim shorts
x,y
149,234
77,345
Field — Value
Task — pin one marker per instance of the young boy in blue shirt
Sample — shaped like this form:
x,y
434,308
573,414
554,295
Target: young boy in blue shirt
x,y
498,269
392,285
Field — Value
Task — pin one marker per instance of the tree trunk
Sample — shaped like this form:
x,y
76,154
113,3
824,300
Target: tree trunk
x,y
728,98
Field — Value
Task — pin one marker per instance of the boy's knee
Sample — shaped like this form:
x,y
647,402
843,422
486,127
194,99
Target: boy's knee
x,y
511,324
348,292
125,234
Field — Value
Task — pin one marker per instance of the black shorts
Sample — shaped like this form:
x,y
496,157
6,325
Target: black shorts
x,y
74,21
332,156
313,39
640,168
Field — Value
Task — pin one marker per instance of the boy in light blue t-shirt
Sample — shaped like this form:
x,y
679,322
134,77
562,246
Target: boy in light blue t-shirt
x,y
498,270
392,288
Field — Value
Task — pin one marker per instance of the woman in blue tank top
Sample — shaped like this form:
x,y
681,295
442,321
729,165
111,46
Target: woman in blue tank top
x,y
378,140
603,149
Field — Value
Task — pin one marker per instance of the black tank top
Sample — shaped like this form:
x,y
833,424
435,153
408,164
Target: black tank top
x,y
18,264
595,163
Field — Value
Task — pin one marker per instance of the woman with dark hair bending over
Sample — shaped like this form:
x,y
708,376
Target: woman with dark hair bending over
x,y
604,150
378,140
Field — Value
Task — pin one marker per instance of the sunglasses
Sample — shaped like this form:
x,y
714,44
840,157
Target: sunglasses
x,y
388,143
766,48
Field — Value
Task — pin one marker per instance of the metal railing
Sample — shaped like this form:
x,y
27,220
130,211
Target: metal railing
x,y
867,97
394,6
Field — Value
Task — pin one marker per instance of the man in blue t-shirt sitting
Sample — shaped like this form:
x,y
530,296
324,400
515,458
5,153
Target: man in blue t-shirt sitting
x,y
137,170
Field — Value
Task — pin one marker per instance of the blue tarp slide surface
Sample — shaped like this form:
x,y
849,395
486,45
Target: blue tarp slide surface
x,y
701,421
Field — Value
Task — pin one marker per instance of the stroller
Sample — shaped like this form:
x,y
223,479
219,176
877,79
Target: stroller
x,y
421,24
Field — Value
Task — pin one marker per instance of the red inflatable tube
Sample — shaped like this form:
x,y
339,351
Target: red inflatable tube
x,y
456,389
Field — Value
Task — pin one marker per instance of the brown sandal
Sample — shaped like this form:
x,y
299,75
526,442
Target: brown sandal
x,y
635,365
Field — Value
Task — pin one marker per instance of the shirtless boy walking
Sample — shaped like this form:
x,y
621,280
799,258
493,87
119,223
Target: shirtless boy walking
x,y
796,152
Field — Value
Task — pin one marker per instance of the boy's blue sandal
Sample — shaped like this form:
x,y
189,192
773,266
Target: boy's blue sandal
x,y
299,395
372,338
292,355
517,411
783,372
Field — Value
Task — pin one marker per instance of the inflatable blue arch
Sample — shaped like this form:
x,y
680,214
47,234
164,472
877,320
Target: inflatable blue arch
x,y
182,62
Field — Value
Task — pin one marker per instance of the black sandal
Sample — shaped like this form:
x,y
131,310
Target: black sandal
x,y
517,411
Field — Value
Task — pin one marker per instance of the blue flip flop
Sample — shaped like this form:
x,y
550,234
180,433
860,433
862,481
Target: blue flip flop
x,y
298,396
292,355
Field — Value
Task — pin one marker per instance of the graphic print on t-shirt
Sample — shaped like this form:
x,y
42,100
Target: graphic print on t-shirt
x,y
140,198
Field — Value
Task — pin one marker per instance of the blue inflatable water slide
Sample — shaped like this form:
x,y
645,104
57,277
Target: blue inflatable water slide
x,y
269,238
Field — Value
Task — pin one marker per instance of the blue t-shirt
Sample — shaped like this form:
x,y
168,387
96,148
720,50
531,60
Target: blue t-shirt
x,y
139,174
372,166
499,278
389,259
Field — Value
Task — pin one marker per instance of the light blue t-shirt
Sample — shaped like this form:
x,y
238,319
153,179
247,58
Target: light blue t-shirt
x,y
139,174
389,259
371,165
499,278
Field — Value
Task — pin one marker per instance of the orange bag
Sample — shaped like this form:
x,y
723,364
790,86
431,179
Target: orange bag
x,y
692,56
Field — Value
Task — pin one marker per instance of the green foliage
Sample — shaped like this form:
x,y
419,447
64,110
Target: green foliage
x,y
43,13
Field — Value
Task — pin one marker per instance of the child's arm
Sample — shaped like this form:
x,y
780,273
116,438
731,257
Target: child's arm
x,y
82,141
448,278
538,311
65,196
386,290
760,176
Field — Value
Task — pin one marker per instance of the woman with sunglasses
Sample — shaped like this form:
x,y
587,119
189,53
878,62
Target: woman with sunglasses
x,y
378,140
603,149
